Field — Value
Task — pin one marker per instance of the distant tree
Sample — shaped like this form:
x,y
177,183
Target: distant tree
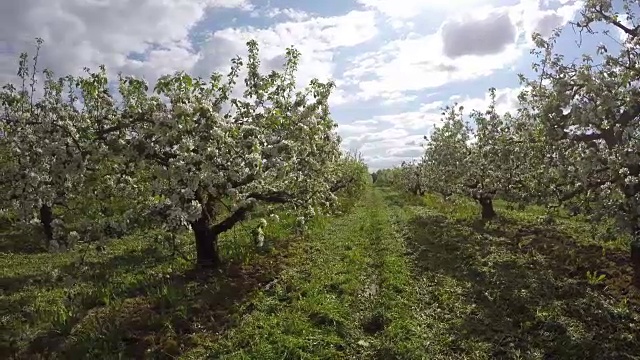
x,y
351,179
410,177
487,160
446,154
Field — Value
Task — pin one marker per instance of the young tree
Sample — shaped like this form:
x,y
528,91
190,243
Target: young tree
x,y
410,177
500,162
446,154
528,167
492,160
488,161
352,178
590,111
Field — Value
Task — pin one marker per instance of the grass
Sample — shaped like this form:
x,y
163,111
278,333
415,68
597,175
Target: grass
x,y
343,294
398,277
515,288
135,298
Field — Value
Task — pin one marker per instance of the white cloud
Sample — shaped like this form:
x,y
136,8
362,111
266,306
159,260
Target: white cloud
x,y
506,101
317,39
288,13
418,64
404,9
424,118
358,127
468,46
531,18
387,140
90,33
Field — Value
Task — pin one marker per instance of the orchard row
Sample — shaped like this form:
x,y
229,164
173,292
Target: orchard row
x,y
573,141
83,160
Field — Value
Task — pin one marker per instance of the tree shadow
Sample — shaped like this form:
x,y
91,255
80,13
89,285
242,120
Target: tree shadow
x,y
21,242
158,318
529,290
94,271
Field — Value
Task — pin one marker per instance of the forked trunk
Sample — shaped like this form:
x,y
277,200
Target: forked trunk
x,y
487,208
46,218
206,244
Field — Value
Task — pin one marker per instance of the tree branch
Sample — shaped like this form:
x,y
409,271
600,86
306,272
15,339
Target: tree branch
x,y
241,213
631,32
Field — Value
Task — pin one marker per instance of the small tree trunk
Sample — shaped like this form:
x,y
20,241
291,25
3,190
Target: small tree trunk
x,y
487,208
46,218
635,256
206,244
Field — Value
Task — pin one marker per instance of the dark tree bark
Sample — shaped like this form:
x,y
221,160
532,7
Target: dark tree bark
x,y
635,256
486,203
46,218
207,255
206,233
635,262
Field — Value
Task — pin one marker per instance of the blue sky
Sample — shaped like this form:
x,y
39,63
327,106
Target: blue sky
x,y
396,62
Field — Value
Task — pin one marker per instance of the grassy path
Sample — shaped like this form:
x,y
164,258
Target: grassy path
x,y
399,277
515,288
346,293
413,278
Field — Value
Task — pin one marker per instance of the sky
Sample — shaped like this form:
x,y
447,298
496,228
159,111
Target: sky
x,y
395,62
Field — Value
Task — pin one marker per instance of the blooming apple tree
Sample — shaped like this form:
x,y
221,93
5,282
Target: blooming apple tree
x,y
501,162
210,168
351,178
48,142
410,177
491,159
446,154
591,112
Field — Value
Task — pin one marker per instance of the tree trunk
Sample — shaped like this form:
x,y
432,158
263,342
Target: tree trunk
x,y
487,208
206,244
635,257
46,218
